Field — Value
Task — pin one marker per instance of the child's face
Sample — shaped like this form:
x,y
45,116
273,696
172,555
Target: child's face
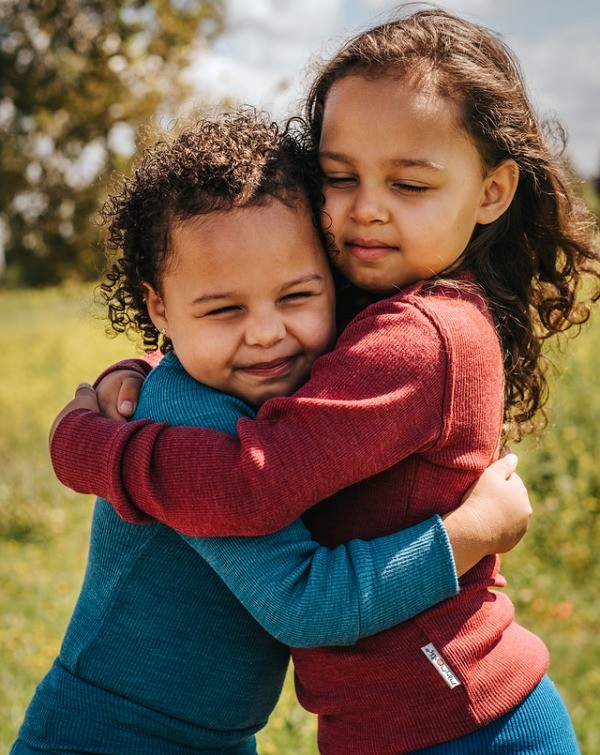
x,y
248,300
404,184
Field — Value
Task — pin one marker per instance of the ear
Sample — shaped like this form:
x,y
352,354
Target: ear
x,y
500,186
156,307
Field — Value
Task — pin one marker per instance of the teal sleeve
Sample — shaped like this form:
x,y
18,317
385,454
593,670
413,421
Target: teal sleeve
x,y
301,592
307,595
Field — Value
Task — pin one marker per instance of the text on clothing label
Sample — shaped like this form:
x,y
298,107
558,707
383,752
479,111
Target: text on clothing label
x,y
440,664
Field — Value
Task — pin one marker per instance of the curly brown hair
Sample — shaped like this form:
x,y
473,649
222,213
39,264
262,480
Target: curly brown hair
x,y
533,261
237,159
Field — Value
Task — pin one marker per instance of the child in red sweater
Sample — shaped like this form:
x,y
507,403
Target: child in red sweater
x,y
447,207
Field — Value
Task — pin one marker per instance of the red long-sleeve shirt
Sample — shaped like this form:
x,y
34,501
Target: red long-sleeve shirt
x,y
407,412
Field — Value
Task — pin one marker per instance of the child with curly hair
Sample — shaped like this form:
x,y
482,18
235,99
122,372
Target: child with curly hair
x,y
453,221
179,644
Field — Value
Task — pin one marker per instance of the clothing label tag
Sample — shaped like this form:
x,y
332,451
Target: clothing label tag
x,y
442,667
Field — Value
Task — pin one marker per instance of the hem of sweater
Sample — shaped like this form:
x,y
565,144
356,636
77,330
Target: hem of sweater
x,y
540,723
403,715
68,712
335,739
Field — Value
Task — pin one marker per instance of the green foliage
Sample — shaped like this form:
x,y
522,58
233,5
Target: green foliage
x,y
553,574
563,462
77,77
54,343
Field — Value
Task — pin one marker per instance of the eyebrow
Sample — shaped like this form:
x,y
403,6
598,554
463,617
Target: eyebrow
x,y
399,162
310,278
208,298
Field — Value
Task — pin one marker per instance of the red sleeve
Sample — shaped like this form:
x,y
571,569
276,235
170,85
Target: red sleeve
x,y
143,366
375,399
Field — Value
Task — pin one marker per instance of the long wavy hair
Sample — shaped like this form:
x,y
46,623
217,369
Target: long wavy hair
x,y
533,261
234,160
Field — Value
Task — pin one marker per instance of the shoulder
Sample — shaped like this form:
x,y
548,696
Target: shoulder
x,y
459,311
393,328
390,345
422,336
453,313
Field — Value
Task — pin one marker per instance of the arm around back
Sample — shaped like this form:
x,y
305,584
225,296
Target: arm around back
x,y
368,404
307,595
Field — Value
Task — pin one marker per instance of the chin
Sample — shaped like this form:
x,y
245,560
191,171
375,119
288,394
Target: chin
x,y
381,289
367,281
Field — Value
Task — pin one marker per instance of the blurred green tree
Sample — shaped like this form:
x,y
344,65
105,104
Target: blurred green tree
x,y
77,77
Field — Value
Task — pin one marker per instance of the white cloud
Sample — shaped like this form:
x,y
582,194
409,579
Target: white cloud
x,y
260,56
455,6
283,17
565,78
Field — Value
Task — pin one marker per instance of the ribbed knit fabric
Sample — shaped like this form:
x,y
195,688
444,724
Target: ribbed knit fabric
x,y
407,411
161,657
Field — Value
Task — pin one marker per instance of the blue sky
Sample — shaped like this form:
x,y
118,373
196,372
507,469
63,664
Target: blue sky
x,y
264,59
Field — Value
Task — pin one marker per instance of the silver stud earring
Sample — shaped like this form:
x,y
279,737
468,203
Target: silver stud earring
x,y
164,331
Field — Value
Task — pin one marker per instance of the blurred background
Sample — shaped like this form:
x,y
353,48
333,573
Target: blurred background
x,y
79,79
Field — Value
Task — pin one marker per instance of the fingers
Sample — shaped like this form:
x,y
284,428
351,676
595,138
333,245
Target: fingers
x,y
509,464
511,461
83,387
128,395
85,397
117,394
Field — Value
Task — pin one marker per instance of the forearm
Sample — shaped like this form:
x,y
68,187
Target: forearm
x,y
307,595
466,541
126,464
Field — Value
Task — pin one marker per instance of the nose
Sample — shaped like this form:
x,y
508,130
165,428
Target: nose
x,y
369,207
265,329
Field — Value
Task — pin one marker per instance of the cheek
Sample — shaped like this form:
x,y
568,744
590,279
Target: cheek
x,y
320,332
210,348
217,347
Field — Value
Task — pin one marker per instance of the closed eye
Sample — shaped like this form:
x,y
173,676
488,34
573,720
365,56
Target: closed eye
x,y
411,188
222,311
298,296
339,181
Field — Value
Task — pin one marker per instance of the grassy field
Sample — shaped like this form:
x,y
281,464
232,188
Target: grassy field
x,y
52,342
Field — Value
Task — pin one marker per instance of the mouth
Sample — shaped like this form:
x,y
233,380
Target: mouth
x,y
273,370
369,250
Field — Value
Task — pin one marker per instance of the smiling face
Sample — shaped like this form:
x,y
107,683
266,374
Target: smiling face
x,y
404,185
248,299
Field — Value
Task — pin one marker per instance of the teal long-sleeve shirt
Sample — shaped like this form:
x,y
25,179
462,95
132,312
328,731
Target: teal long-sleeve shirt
x,y
179,643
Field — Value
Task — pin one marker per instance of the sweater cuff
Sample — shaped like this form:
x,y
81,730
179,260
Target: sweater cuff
x,y
82,454
143,366
415,572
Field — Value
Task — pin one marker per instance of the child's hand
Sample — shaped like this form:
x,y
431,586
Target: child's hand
x,y
85,398
118,393
493,516
499,505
